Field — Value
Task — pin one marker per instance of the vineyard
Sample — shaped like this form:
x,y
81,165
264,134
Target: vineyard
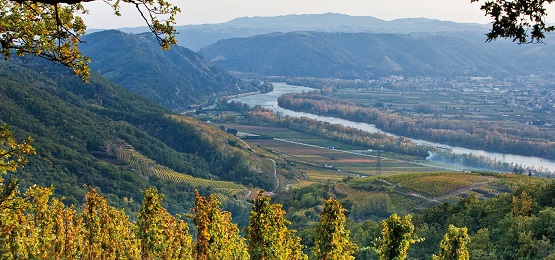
x,y
223,190
435,184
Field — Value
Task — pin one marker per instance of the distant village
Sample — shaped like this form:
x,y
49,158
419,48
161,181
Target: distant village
x,y
533,94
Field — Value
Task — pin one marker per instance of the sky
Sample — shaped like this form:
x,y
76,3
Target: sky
x,y
218,11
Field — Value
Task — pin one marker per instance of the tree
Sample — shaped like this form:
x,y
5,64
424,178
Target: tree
x,y
332,239
522,204
397,235
267,234
522,21
162,235
454,244
482,247
217,237
51,28
13,154
108,232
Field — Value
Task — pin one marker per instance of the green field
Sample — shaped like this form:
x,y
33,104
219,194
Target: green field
x,y
450,103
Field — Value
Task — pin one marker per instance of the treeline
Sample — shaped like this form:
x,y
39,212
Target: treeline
x,y
511,226
34,225
323,83
522,140
376,141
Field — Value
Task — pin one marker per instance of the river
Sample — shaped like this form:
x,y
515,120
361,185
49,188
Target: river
x,y
269,100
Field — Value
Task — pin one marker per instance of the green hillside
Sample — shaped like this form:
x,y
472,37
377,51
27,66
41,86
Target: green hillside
x,y
79,130
173,79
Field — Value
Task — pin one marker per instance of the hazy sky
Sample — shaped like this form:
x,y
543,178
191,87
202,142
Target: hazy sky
x,y
217,11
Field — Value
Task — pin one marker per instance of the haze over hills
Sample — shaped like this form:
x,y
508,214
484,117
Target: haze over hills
x,y
195,37
173,79
369,55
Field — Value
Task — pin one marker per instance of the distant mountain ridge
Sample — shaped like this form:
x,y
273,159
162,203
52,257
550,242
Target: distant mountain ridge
x,y
371,55
196,37
173,79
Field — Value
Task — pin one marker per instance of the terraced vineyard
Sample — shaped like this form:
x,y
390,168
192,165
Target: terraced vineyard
x,y
223,190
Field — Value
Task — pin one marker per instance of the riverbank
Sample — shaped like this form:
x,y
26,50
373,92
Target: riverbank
x,y
269,100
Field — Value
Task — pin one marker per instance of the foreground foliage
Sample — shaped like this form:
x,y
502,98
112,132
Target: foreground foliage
x,y
267,234
34,225
51,29
397,235
332,239
454,245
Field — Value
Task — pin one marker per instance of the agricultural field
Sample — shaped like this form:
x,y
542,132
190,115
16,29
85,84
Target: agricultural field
x,y
334,163
364,183
465,104
292,135
322,160
438,184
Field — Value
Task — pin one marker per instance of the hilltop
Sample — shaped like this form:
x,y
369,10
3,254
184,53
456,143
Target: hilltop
x,y
173,79
198,36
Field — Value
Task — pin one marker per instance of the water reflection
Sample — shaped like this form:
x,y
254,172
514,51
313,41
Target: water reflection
x,y
269,100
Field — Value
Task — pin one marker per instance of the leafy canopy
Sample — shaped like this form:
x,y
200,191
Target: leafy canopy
x,y
51,28
397,235
13,153
454,244
267,234
332,238
523,21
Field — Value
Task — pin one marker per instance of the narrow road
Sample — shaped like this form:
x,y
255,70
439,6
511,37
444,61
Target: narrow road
x,y
248,146
248,195
368,155
275,176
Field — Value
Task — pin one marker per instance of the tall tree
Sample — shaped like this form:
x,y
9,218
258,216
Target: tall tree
x,y
108,232
522,204
332,239
454,244
217,237
397,235
267,234
162,235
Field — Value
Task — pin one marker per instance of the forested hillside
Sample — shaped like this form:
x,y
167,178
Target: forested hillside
x,y
101,135
369,56
173,79
198,36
